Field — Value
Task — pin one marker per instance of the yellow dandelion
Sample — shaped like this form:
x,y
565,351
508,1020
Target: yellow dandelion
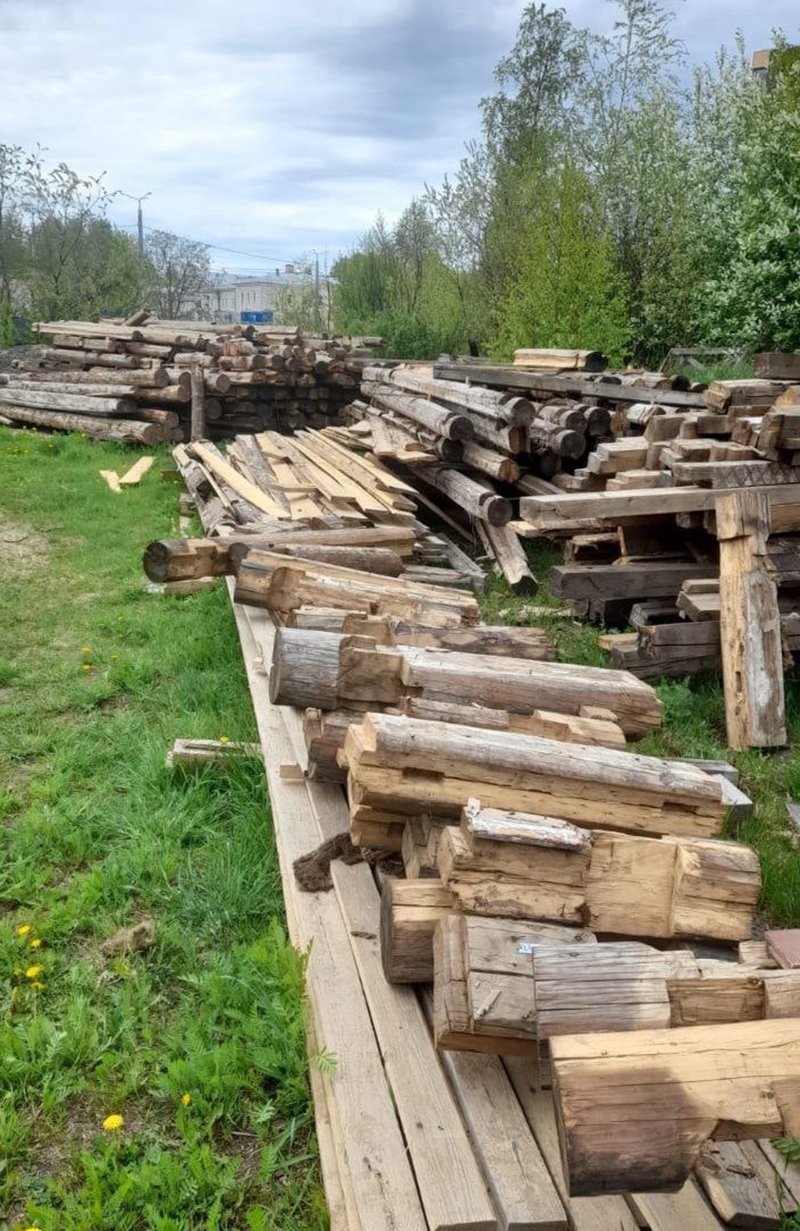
x,y
86,667
24,928
186,1099
33,972
224,739
86,649
112,1124
36,943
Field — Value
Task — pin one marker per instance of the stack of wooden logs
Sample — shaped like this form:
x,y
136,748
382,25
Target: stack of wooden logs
x,y
133,381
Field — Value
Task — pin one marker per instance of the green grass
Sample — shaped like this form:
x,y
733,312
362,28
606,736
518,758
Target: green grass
x,y
694,726
97,678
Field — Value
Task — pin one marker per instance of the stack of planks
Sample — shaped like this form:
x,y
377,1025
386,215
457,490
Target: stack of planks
x,y
132,381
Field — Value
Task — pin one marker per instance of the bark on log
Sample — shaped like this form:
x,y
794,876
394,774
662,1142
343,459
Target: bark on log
x,y
129,431
74,403
438,419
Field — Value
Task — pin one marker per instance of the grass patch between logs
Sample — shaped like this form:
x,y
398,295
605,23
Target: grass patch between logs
x,y
198,1040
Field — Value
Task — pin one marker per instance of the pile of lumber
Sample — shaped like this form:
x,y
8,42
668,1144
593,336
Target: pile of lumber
x,y
535,845
133,381
638,520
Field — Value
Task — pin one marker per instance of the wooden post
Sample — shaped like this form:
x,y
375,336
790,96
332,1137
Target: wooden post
x,y
198,423
750,626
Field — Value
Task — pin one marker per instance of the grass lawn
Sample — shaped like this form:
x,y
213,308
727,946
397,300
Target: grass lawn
x,y
197,1042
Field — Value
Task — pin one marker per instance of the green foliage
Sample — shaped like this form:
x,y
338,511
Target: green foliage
x,y
398,287
563,288
8,333
606,206
198,1042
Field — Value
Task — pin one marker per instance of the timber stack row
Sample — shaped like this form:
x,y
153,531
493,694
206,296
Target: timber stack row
x,y
555,914
633,506
132,381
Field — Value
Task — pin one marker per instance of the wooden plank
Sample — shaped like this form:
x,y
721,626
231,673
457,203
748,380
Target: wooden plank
x,y
750,625
545,513
585,1213
248,491
137,471
784,946
515,1172
742,1185
450,1183
505,376
112,479
361,1108
685,1210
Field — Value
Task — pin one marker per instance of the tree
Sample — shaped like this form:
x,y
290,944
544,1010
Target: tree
x,y
177,274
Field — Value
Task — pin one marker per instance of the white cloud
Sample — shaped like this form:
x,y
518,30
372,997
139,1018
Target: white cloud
x,y
275,128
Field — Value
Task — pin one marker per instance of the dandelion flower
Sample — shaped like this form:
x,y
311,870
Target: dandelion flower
x,y
33,972
224,739
86,667
112,1124
86,649
24,928
186,1099
36,943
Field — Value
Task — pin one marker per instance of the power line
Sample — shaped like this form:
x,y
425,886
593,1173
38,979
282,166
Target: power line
x,y
256,256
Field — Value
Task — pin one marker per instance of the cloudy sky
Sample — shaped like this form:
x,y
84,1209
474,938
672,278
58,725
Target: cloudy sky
x,y
274,128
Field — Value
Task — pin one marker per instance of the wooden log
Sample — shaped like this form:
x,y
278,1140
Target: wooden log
x,y
53,355
74,403
487,403
410,910
198,420
172,395
601,787
438,419
43,379
71,384
635,1109
488,461
283,584
346,668
148,350
750,625
473,497
511,559
537,867
483,987
127,431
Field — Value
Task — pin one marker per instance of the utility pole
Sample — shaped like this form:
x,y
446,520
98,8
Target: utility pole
x,y
139,219
317,314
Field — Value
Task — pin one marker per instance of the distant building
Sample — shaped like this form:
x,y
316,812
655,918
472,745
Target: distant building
x,y
257,300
